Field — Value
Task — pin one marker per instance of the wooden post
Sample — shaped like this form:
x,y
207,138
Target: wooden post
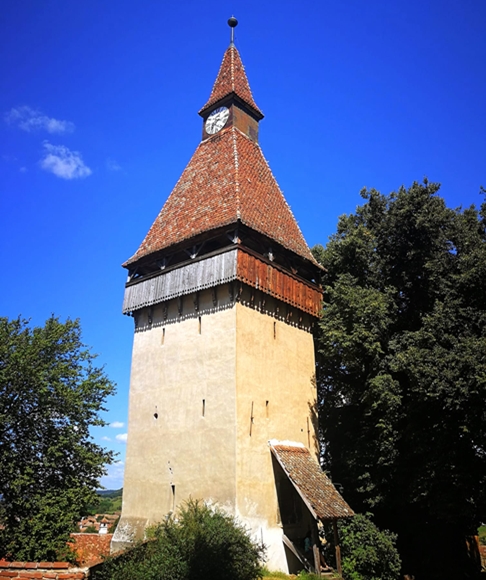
x,y
317,559
338,547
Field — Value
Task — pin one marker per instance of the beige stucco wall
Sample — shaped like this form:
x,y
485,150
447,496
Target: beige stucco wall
x,y
175,366
274,378
236,359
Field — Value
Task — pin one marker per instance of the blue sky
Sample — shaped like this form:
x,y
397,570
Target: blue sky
x,y
98,118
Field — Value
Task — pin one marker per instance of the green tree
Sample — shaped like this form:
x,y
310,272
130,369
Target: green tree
x,y
402,372
202,543
367,552
51,393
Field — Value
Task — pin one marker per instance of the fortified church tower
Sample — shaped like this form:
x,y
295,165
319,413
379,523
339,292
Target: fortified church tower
x,y
224,293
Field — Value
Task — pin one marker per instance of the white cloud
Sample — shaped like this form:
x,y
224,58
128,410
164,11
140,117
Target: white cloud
x,y
29,119
64,163
104,438
114,476
112,165
117,424
122,437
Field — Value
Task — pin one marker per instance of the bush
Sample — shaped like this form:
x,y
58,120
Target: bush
x,y
203,543
367,552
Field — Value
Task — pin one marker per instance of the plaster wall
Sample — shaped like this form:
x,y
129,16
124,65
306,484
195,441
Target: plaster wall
x,y
212,381
182,413
275,399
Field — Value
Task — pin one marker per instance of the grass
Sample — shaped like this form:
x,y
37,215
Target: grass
x,y
482,535
303,575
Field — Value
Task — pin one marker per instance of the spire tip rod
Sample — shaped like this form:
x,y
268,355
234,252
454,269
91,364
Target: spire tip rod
x,y
232,23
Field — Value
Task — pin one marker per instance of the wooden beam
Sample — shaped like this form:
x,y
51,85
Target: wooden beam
x,y
338,547
317,559
296,552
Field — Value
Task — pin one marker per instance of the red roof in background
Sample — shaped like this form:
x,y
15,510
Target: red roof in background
x,y
231,79
227,180
90,548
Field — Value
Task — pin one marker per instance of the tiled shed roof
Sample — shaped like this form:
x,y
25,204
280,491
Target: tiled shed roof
x,y
232,79
315,488
228,180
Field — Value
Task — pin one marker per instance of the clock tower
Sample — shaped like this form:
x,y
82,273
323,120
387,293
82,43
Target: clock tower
x,y
224,293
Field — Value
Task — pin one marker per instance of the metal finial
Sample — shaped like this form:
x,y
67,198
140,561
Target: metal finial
x,y
232,22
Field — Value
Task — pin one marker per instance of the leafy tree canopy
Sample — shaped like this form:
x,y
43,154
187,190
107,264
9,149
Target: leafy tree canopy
x,y
51,393
367,552
202,543
402,371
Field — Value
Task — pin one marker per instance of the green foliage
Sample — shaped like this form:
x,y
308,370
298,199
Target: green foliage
x,y
304,575
266,573
482,535
201,544
90,530
51,393
402,371
367,552
107,502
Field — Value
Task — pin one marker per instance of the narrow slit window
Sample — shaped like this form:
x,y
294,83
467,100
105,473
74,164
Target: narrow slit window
x,y
199,324
173,496
275,329
204,407
266,409
162,340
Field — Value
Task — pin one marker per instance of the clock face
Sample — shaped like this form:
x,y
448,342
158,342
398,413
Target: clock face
x,y
216,120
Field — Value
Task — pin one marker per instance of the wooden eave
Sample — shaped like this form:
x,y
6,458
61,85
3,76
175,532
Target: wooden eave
x,y
227,100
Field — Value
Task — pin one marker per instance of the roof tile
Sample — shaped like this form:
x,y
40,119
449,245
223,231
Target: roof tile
x,y
311,482
231,79
227,180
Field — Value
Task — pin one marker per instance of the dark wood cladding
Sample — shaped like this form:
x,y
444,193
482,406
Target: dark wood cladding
x,y
272,280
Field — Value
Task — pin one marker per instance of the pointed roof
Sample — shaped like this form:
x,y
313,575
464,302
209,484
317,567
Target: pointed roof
x,y
227,181
232,79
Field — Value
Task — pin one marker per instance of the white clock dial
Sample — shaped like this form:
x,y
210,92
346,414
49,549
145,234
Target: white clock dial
x,y
216,120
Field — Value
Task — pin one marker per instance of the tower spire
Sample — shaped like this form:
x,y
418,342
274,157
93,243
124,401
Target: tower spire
x,y
232,23
232,79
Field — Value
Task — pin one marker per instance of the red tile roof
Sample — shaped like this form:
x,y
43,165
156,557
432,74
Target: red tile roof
x,y
228,180
315,488
90,548
231,79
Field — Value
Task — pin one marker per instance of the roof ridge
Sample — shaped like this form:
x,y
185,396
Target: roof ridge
x,y
237,176
280,190
232,53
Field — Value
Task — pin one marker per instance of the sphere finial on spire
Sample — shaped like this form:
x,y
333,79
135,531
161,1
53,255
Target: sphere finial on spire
x,y
232,22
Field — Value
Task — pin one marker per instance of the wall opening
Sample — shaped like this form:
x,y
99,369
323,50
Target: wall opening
x,y
172,487
204,407
275,329
162,340
199,324
266,409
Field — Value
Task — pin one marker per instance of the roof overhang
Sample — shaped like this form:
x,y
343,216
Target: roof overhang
x,y
314,487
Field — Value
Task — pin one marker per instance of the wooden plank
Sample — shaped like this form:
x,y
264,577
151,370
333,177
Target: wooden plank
x,y
297,553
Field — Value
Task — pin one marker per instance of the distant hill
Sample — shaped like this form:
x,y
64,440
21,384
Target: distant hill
x,y
110,502
110,492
